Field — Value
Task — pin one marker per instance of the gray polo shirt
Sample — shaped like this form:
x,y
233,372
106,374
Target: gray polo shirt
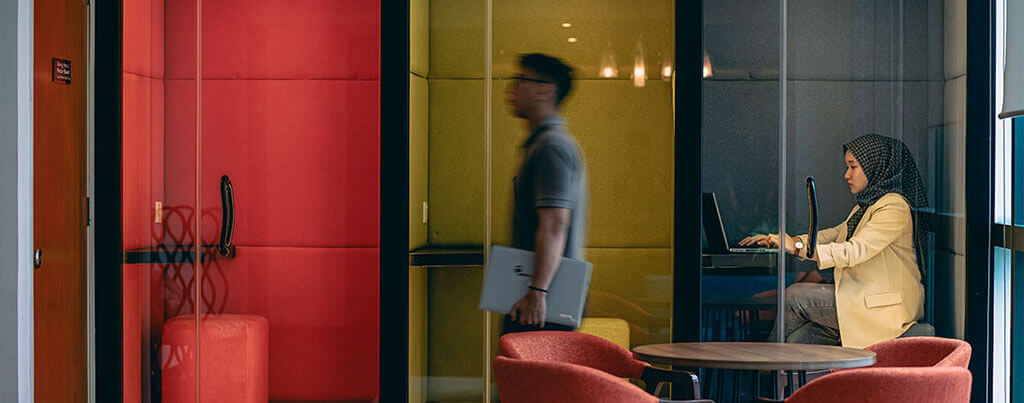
x,y
553,173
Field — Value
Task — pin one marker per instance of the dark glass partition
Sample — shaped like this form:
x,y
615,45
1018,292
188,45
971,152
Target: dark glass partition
x,y
894,69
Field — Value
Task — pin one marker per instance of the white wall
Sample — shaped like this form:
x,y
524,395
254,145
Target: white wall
x,y
16,200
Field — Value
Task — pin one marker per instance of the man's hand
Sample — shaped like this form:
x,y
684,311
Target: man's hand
x,y
531,309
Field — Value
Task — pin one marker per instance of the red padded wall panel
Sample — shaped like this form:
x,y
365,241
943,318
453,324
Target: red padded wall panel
x,y
142,158
303,158
180,39
180,160
290,111
280,39
322,306
131,300
143,39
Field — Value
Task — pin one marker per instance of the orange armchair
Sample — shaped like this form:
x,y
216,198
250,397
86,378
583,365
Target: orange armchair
x,y
542,381
896,385
921,352
594,352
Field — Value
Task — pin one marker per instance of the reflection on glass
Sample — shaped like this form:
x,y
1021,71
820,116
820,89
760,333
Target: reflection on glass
x,y
639,67
706,70
609,69
666,69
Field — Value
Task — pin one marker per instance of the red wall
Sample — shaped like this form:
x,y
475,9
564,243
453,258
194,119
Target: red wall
x,y
290,111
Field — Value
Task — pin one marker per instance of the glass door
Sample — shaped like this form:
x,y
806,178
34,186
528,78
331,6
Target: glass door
x,y
742,150
788,89
289,178
467,148
160,200
251,201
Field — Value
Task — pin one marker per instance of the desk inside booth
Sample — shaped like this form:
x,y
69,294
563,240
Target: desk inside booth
x,y
739,264
730,312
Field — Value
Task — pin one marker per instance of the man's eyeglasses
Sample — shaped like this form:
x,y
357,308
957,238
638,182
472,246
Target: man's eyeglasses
x,y
533,80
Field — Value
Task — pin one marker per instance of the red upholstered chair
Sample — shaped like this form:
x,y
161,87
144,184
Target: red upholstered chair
x,y
233,357
922,352
546,381
594,352
881,385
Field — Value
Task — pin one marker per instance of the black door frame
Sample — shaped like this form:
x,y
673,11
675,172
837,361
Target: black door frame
x,y
689,172
394,202
979,151
107,206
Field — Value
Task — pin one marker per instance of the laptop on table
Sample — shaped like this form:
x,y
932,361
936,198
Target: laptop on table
x,y
714,231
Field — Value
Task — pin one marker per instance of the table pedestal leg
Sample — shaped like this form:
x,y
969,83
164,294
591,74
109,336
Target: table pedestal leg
x,y
720,376
755,385
736,385
775,385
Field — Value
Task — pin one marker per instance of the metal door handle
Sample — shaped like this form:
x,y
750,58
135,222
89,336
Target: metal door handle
x,y
37,258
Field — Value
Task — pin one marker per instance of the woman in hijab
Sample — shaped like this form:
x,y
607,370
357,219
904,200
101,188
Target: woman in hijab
x,y
876,253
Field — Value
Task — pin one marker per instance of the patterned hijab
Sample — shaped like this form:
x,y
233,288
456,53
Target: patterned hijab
x,y
889,167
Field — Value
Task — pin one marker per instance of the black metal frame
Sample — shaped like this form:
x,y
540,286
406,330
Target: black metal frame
x,y
107,173
394,202
689,93
979,149
1017,288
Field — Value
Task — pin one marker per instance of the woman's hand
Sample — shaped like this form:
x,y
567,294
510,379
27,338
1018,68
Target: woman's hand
x,y
770,241
761,240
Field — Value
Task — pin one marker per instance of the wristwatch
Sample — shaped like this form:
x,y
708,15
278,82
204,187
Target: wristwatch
x,y
799,247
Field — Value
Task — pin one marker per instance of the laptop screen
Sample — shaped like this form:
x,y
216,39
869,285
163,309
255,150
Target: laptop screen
x,y
712,222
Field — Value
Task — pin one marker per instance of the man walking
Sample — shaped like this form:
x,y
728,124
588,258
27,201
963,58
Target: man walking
x,y
550,188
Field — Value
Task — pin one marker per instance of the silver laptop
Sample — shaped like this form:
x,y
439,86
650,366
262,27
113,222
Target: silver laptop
x,y
509,272
714,231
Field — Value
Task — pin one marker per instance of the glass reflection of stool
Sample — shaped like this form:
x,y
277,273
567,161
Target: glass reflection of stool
x,y
734,319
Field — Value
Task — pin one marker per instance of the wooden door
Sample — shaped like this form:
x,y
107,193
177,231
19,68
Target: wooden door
x,y
59,89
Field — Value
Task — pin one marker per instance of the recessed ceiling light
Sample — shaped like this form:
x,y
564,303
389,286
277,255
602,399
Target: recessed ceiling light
x,y
572,40
566,25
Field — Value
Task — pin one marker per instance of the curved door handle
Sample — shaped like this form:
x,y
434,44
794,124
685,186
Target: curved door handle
x,y
37,258
812,206
227,223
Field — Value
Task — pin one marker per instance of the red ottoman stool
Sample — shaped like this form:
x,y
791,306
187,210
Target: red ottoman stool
x,y
233,358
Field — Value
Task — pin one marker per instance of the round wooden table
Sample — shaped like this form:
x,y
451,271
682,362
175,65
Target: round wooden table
x,y
788,357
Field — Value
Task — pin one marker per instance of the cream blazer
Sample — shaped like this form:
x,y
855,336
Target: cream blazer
x,y
879,294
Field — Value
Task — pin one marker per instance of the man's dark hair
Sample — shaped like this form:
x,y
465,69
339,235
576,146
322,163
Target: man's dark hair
x,y
550,69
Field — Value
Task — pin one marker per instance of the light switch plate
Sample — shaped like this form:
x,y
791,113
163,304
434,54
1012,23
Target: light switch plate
x,y
424,213
158,212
